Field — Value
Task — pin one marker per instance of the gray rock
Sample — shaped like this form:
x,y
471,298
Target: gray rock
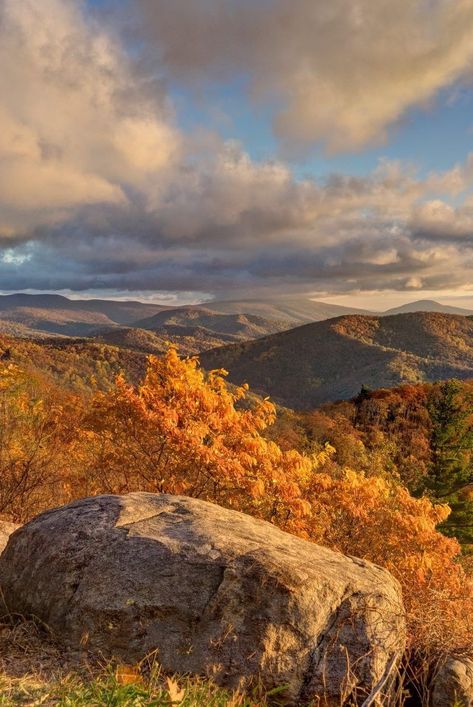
x,y
214,591
6,529
453,684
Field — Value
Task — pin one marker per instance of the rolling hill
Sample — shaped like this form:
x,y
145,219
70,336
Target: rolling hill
x,y
427,305
331,360
296,310
189,342
130,338
55,314
192,330
237,326
78,364
36,322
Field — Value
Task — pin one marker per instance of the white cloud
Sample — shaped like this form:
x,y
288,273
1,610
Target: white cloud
x,y
340,72
73,129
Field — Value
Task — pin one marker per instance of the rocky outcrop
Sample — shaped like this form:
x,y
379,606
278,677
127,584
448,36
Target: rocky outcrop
x,y
6,529
214,591
453,684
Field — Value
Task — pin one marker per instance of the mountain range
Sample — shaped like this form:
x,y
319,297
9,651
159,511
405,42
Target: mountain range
x,y
191,329
330,360
39,315
210,324
293,309
120,312
298,366
427,306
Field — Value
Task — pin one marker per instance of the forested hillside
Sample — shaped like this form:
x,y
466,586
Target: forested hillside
x,y
327,361
80,365
421,435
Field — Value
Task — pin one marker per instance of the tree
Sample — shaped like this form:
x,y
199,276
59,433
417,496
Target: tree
x,y
185,431
38,423
451,468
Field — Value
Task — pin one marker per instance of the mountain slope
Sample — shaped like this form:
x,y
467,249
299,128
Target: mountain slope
x,y
189,341
330,360
296,310
426,305
238,326
78,364
36,321
55,314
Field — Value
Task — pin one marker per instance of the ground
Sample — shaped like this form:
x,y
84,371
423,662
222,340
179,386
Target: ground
x,y
35,670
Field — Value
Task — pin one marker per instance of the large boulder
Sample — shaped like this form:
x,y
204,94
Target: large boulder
x,y
453,684
6,529
214,591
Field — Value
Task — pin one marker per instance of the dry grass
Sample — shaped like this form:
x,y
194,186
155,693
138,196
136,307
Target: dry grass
x,y
35,670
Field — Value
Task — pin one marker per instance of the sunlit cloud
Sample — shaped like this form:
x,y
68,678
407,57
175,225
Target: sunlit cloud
x,y
339,73
101,191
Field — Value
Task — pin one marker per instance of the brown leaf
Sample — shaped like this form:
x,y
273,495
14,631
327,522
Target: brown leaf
x,y
128,675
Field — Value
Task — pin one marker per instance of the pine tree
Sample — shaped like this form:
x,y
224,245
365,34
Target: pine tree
x,y
451,468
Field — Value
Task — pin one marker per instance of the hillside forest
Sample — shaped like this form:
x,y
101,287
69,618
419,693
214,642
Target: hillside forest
x,y
385,476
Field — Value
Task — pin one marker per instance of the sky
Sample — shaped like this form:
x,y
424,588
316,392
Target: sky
x,y
180,150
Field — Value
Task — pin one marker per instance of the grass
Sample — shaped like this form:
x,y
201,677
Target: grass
x,y
72,691
34,670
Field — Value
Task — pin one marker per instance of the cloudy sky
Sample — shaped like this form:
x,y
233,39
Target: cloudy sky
x,y
181,149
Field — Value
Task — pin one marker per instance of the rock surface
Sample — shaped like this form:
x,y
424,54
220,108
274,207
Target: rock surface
x,y
6,529
215,591
453,684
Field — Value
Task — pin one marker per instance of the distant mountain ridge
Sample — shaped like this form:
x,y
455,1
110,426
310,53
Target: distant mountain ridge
x,y
240,325
56,314
193,328
212,324
330,360
298,310
427,306
121,312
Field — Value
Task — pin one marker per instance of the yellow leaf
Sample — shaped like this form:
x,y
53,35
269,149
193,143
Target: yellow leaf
x,y
176,694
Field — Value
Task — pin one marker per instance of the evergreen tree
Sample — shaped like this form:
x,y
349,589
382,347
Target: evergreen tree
x,y
451,468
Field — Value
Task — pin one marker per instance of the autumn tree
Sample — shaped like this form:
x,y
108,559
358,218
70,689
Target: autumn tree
x,y
38,423
184,431
377,519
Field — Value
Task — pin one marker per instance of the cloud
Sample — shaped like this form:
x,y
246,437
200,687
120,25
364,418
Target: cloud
x,y
74,129
340,73
239,227
100,190
440,222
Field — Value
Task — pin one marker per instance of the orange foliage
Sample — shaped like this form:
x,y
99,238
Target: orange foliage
x,y
184,432
187,432
379,520
38,441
